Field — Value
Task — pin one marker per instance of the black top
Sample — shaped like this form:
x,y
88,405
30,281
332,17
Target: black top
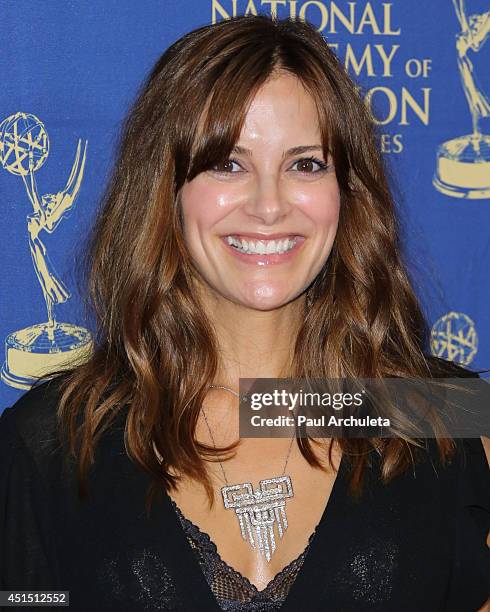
x,y
416,544
233,591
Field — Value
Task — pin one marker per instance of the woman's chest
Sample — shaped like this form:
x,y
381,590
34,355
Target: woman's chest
x,y
392,545
259,525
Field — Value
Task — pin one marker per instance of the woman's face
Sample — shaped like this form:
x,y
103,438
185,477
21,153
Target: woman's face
x,y
275,191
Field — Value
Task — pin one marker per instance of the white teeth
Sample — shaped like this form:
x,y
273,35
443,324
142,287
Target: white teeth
x,y
261,246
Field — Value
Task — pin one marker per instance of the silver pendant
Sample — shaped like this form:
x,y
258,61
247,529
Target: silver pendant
x,y
257,511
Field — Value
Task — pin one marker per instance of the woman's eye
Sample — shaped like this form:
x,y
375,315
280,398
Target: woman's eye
x,y
310,165
228,166
306,165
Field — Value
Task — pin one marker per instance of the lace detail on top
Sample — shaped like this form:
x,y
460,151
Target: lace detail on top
x,y
233,591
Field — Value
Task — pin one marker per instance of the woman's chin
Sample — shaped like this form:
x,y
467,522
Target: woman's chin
x,y
264,302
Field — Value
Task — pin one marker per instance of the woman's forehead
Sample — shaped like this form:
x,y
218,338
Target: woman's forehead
x,y
282,109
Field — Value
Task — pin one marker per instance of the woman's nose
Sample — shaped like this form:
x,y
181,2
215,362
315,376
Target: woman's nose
x,y
267,202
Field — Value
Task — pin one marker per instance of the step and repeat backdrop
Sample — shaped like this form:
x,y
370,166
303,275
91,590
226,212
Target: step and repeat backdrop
x,y
70,69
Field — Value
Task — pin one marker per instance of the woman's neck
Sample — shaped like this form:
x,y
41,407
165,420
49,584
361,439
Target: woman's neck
x,y
253,343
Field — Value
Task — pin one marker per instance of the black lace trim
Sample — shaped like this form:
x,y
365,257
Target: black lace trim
x,y
206,544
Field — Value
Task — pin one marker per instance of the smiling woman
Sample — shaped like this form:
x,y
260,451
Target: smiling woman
x,y
260,225
248,231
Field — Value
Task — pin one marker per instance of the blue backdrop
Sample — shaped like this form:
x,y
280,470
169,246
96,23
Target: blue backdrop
x,y
71,68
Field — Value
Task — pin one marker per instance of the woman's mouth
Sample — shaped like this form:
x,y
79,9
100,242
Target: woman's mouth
x,y
263,251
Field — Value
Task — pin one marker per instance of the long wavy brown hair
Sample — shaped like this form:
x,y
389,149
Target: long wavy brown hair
x,y
155,351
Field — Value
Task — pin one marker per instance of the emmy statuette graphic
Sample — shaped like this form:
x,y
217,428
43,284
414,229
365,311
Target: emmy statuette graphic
x,y
463,163
50,345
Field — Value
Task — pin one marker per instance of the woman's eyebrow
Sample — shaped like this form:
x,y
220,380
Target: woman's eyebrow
x,y
293,151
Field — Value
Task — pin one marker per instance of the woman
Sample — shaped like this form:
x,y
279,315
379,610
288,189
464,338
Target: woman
x,y
247,232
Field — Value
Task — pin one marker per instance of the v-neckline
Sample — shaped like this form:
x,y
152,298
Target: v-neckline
x,y
203,535
303,591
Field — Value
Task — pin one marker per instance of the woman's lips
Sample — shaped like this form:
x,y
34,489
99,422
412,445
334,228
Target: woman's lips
x,y
265,259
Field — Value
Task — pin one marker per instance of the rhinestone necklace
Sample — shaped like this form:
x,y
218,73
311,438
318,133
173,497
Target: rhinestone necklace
x,y
258,510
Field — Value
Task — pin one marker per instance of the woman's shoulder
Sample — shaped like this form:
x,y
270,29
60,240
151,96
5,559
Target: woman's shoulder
x,y
468,454
29,430
471,453
33,417
32,438
462,481
474,470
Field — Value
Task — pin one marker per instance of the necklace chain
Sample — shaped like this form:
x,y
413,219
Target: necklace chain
x,y
214,443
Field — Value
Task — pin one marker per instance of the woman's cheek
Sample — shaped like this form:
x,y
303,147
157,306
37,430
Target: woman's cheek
x,y
319,202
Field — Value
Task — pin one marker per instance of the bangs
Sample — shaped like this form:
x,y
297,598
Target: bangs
x,y
221,123
222,119
220,87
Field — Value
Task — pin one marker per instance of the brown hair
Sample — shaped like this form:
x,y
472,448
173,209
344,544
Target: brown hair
x,y
155,351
